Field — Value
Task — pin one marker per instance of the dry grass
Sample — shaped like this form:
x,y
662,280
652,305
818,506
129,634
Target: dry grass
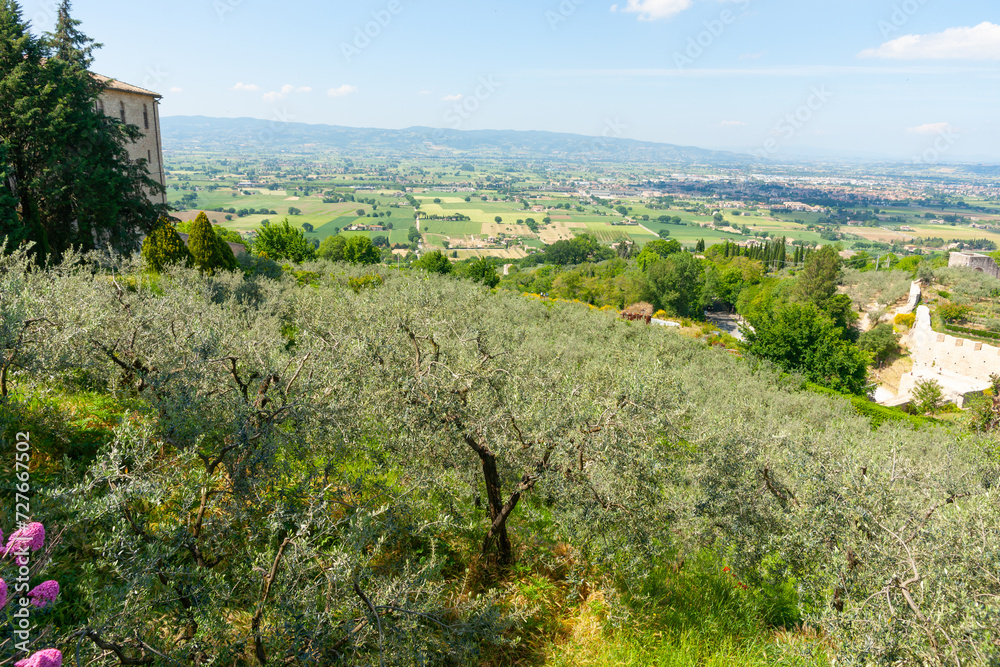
x,y
889,375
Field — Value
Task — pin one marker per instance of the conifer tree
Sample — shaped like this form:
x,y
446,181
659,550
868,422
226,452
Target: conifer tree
x,y
164,247
68,179
208,251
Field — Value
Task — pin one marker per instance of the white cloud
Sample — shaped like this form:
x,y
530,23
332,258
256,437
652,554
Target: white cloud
x,y
176,89
245,86
342,91
981,42
653,10
732,123
931,128
452,98
285,91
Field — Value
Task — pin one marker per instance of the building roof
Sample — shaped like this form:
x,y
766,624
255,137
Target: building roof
x,y
113,84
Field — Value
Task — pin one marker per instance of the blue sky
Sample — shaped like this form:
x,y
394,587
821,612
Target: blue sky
x,y
900,79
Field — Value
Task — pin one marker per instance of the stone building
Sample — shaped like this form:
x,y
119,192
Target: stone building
x,y
975,261
139,107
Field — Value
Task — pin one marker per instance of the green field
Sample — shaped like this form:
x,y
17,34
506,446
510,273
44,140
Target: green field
x,y
452,229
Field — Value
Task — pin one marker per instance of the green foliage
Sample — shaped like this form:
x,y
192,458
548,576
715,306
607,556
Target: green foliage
x,y
370,281
984,413
909,264
801,338
676,285
484,271
583,248
989,336
876,414
284,242
332,248
928,397
361,445
954,312
208,252
819,278
361,250
69,181
164,247
433,262
727,282
881,341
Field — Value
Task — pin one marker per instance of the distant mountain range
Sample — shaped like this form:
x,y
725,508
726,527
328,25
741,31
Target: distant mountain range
x,y
251,135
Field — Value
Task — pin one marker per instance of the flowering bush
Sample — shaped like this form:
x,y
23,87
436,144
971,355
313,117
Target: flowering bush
x,y
20,544
44,593
49,657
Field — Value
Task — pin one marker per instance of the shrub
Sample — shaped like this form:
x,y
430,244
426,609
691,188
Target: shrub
x,y
906,320
881,341
361,250
928,396
954,312
164,247
208,252
369,281
284,242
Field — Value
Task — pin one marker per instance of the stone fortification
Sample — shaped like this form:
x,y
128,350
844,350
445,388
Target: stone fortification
x,y
962,367
976,262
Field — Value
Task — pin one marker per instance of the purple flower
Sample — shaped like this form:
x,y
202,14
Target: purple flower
x,y
49,657
3,593
31,537
44,593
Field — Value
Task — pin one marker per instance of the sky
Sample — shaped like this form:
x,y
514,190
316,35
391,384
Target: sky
x,y
909,80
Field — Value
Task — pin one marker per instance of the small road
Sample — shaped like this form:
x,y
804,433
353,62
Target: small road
x,y
728,322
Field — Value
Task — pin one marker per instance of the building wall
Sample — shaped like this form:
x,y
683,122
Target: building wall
x,y
976,262
143,112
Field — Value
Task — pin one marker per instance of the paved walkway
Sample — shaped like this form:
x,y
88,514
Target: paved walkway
x,y
730,323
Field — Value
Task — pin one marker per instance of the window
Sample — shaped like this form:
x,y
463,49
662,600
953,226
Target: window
x,y
149,157
121,110
100,105
145,116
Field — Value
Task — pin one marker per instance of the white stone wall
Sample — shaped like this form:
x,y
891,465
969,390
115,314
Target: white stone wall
x,y
933,350
143,112
962,367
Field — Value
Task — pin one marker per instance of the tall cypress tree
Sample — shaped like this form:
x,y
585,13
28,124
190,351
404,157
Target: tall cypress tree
x,y
69,179
20,85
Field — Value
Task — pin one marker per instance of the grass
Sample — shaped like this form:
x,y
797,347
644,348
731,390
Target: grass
x,y
694,613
